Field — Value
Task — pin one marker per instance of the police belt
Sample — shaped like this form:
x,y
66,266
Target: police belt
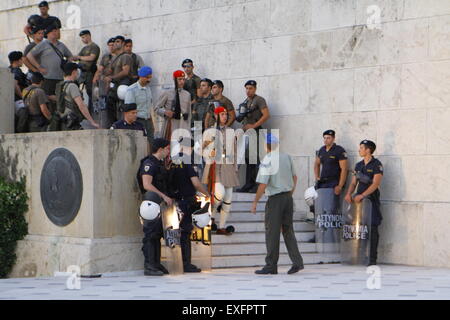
x,y
328,179
280,194
185,198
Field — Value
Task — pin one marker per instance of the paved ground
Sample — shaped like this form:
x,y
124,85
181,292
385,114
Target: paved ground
x,y
316,282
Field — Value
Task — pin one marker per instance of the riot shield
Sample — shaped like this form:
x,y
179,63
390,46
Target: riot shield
x,y
328,221
202,242
355,243
171,253
202,248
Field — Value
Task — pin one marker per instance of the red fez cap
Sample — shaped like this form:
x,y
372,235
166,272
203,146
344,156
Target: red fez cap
x,y
178,74
220,110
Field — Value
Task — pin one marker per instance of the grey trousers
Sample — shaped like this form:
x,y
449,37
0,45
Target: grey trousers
x,y
279,218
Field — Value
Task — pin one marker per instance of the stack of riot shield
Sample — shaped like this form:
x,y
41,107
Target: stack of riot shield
x,y
328,222
202,243
201,248
355,244
171,258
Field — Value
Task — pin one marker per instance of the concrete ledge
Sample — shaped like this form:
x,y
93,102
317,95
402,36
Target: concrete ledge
x,y
93,256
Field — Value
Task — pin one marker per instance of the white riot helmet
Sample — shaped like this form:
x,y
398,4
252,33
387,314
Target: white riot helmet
x,y
201,218
122,91
310,196
150,208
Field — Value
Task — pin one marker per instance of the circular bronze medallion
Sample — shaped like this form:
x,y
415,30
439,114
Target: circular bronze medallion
x,y
61,187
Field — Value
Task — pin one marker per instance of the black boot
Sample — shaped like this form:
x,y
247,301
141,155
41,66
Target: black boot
x,y
158,257
374,238
150,268
250,178
186,254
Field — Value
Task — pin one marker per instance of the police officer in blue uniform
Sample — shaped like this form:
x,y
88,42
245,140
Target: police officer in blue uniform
x,y
367,179
333,160
153,176
186,183
129,121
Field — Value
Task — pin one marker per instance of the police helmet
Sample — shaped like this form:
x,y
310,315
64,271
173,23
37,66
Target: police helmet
x,y
122,91
310,196
35,20
150,207
201,218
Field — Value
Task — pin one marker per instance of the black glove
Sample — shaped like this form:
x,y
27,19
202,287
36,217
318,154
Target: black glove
x,y
316,186
177,116
185,116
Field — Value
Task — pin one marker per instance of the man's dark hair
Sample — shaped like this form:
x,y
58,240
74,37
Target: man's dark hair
x,y
185,61
85,32
218,83
119,38
36,29
37,78
15,56
69,68
50,28
159,143
43,4
127,41
208,81
369,145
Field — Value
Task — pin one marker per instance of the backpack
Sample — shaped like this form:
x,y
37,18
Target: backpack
x,y
61,95
135,67
25,97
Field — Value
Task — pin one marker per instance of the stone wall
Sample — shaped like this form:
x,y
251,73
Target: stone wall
x,y
320,66
106,235
6,101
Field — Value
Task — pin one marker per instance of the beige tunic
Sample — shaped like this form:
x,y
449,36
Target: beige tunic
x,y
167,103
227,174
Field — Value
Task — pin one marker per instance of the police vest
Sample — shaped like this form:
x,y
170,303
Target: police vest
x,y
160,180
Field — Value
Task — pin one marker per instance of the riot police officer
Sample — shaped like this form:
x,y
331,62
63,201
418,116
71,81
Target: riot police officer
x,y
333,160
367,179
186,183
153,176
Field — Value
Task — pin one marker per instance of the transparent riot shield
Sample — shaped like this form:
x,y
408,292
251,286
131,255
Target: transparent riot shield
x,y
171,250
355,243
201,242
202,248
328,221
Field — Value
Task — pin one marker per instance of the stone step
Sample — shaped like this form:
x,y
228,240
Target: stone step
x,y
260,237
247,206
259,260
258,226
239,216
239,249
246,197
